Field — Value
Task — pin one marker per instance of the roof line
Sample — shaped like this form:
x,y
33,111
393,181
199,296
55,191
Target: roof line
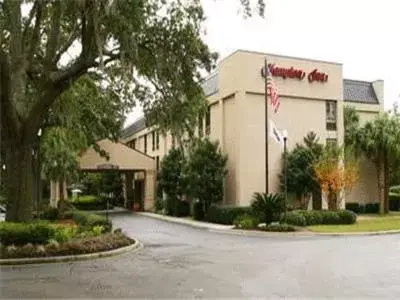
x,y
279,55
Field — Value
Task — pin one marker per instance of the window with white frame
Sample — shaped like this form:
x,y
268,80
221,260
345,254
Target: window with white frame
x,y
331,115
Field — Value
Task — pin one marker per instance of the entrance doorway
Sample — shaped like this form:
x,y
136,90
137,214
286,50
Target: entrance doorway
x,y
138,195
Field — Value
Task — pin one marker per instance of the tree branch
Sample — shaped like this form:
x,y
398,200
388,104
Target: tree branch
x,y
74,35
54,34
13,12
35,34
29,20
8,112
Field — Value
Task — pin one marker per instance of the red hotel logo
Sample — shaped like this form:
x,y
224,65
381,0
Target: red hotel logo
x,y
291,72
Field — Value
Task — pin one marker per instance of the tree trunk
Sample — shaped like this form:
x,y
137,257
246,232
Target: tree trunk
x,y
332,201
19,181
381,185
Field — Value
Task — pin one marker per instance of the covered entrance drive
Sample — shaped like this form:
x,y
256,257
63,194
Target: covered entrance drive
x,y
137,169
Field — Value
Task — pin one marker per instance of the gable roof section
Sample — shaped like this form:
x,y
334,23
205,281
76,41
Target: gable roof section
x,y
121,156
359,91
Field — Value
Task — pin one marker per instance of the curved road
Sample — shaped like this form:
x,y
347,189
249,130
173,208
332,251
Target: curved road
x,y
182,262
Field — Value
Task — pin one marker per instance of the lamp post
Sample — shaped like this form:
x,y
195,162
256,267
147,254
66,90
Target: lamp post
x,y
39,134
285,135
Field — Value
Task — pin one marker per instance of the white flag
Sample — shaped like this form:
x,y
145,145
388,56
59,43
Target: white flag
x,y
275,133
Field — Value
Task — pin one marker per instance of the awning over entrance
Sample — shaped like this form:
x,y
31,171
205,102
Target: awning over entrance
x,y
121,157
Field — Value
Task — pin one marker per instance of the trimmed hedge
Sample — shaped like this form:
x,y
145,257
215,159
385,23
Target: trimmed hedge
x,y
369,208
90,202
91,220
280,227
23,233
223,214
320,217
394,201
198,211
395,189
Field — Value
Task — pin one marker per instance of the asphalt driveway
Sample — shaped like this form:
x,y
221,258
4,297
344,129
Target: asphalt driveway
x,y
183,262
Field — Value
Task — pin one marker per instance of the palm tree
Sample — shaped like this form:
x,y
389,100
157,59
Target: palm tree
x,y
379,140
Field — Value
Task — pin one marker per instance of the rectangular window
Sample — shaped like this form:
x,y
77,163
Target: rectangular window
x,y
331,115
157,140
200,125
157,163
145,143
153,140
208,120
134,144
331,142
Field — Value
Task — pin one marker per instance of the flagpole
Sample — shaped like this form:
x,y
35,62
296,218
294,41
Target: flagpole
x,y
266,126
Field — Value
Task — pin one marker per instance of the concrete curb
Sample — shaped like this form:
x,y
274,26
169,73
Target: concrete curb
x,y
55,259
305,233
192,223
229,229
386,232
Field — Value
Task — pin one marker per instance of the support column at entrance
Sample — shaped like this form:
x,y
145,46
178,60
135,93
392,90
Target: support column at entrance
x,y
129,189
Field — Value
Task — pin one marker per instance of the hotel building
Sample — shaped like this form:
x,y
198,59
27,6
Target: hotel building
x,y
312,96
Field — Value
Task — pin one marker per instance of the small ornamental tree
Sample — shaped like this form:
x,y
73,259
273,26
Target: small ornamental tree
x,y
171,178
335,176
301,179
205,172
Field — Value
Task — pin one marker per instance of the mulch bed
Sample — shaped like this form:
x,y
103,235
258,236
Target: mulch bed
x,y
105,242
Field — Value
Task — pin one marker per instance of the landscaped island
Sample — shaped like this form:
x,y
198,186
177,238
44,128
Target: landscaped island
x,y
60,234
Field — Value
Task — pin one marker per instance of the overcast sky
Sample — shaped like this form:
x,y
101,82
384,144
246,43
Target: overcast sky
x,y
363,35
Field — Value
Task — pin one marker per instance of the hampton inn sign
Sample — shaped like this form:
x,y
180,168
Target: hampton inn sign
x,y
291,72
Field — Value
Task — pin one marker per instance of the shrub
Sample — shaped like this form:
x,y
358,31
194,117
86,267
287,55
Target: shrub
x,y
281,227
371,208
50,214
295,218
183,208
394,201
178,208
65,233
347,217
91,220
354,207
198,211
246,222
23,233
319,217
159,204
90,202
267,208
395,189
226,214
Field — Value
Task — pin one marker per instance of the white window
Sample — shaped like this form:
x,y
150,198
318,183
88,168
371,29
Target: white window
x,y
331,115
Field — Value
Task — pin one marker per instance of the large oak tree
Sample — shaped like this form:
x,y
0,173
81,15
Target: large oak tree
x,y
147,50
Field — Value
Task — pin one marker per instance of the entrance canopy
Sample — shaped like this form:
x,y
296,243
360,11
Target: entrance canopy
x,y
121,157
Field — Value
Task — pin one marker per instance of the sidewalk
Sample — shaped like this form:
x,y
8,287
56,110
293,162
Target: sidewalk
x,y
189,222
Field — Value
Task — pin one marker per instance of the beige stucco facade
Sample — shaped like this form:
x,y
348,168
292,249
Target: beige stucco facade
x,y
236,94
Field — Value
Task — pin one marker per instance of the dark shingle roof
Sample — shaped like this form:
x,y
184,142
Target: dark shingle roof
x,y
359,91
210,85
135,127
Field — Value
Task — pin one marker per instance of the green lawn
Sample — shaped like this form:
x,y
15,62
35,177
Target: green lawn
x,y
376,223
